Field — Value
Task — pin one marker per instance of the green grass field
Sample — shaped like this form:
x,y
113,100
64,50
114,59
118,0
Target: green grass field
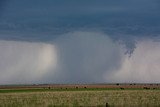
x,y
63,89
79,97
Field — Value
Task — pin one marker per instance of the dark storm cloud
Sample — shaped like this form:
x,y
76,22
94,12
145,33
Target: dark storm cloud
x,y
54,17
2,5
40,20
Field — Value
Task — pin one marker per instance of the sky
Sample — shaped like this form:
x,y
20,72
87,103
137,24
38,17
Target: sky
x,y
85,41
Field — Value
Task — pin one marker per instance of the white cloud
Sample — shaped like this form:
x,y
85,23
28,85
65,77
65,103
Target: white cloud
x,y
25,62
142,66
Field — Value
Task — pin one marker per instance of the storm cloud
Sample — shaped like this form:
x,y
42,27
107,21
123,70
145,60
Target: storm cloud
x,y
85,41
78,57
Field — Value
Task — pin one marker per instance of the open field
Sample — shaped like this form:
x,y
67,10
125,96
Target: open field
x,y
119,95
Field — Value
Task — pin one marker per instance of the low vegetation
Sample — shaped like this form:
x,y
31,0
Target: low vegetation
x,y
82,97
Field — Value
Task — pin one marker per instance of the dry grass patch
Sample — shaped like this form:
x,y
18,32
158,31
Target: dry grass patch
x,y
117,98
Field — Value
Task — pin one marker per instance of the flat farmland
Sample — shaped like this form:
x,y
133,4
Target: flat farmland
x,y
117,95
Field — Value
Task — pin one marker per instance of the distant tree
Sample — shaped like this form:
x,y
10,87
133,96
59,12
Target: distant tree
x,y
122,88
117,84
146,88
